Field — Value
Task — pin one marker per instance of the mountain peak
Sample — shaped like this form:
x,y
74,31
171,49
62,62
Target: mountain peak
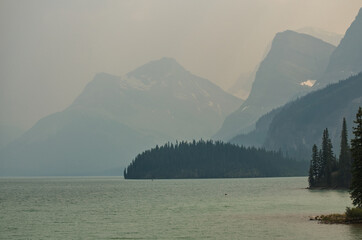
x,y
346,60
289,36
294,59
158,69
329,37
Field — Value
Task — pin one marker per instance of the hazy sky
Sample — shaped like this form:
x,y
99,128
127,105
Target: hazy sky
x,y
49,50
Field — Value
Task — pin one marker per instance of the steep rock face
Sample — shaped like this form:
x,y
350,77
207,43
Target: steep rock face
x,y
300,124
346,60
289,70
115,118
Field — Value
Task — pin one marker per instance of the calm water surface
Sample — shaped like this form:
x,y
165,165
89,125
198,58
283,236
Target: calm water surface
x,y
114,208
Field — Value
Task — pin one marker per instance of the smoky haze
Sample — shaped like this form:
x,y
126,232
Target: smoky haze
x,y
49,50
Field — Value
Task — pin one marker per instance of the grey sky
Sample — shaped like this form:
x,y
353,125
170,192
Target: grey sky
x,y
49,50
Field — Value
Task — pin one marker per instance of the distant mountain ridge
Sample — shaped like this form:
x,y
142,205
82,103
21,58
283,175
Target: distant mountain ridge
x,y
177,103
346,60
299,124
292,65
329,37
295,127
115,118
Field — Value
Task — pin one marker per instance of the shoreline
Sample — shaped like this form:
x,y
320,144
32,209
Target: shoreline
x,y
335,218
327,188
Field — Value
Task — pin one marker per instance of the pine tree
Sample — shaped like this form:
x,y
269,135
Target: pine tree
x,y
327,158
320,166
356,149
345,158
313,170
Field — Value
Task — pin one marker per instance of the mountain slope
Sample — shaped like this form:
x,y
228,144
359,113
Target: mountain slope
x,y
73,143
115,118
9,133
164,98
300,124
346,60
256,138
294,58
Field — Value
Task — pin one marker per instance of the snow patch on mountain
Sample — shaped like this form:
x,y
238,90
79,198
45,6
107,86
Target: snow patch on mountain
x,y
308,83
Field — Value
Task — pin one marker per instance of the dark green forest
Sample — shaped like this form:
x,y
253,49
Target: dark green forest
x,y
326,170
208,159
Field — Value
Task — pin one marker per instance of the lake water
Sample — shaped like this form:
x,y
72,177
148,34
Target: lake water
x,y
114,208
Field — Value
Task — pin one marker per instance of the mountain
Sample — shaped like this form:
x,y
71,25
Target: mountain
x,y
300,124
346,60
289,71
295,127
329,37
114,118
73,142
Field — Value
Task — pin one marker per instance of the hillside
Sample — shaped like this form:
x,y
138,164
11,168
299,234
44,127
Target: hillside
x,y
300,124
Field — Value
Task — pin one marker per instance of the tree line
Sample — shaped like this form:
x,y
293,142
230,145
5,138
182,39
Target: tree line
x,y
325,170
208,159
346,172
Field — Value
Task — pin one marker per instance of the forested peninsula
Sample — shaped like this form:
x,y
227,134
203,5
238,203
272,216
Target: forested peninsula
x,y
208,159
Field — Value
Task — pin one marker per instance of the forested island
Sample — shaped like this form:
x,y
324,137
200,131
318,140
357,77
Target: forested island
x,y
208,159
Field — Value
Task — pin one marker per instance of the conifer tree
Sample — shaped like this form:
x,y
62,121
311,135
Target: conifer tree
x,y
356,149
311,179
313,170
327,158
320,165
345,158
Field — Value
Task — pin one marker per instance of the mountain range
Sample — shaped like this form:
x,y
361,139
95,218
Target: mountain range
x,y
295,127
299,90
299,124
114,118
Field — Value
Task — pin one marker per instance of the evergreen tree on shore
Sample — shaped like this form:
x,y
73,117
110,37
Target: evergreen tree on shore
x,y
314,171
345,159
324,170
327,158
356,149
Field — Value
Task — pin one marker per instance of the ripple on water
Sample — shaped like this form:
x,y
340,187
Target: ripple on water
x,y
113,208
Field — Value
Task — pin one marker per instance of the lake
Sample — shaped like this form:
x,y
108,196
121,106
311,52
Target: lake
x,y
114,208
